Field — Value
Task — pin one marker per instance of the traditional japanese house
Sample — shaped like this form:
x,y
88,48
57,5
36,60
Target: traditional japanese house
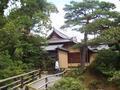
x,y
61,48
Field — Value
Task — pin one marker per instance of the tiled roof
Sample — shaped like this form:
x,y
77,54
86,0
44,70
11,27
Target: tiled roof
x,y
97,48
52,47
61,34
58,41
58,33
64,38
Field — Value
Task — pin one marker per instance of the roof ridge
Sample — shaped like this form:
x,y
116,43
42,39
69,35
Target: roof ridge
x,y
61,34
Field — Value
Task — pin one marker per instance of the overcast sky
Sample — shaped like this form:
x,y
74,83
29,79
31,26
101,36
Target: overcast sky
x,y
58,19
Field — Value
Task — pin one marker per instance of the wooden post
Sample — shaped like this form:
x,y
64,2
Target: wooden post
x,y
21,81
26,88
46,80
33,76
39,73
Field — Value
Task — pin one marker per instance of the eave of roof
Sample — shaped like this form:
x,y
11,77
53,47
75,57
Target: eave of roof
x,y
63,49
52,47
98,47
59,41
59,34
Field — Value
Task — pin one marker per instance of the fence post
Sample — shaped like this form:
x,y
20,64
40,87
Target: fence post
x,y
21,81
26,88
39,73
46,80
33,76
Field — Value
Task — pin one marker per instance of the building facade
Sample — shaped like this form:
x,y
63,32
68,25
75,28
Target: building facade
x,y
62,48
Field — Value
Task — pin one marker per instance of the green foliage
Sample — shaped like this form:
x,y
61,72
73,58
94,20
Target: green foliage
x,y
3,5
86,12
95,18
20,49
107,63
115,77
8,67
45,62
75,73
94,84
68,83
111,36
91,17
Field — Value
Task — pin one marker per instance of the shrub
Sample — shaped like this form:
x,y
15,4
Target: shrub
x,y
94,84
75,72
68,83
9,68
106,61
107,64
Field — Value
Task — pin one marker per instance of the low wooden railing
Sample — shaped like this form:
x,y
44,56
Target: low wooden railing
x,y
19,81
46,79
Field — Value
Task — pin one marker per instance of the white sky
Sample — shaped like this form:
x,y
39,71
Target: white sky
x,y
58,19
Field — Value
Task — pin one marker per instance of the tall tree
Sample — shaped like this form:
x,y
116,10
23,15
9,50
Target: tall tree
x,y
21,21
79,15
17,43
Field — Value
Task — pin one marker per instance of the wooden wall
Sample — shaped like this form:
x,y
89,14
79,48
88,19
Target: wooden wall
x,y
63,58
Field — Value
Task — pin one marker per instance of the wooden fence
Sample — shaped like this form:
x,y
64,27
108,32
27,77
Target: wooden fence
x,y
46,79
19,81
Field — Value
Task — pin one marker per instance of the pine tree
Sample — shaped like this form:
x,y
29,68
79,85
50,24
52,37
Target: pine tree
x,y
81,15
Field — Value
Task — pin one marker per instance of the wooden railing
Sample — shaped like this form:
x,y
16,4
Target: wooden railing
x,y
19,81
46,79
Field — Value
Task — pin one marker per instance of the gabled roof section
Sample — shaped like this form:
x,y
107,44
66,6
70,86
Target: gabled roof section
x,y
61,35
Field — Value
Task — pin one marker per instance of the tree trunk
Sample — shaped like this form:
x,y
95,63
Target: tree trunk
x,y
84,51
